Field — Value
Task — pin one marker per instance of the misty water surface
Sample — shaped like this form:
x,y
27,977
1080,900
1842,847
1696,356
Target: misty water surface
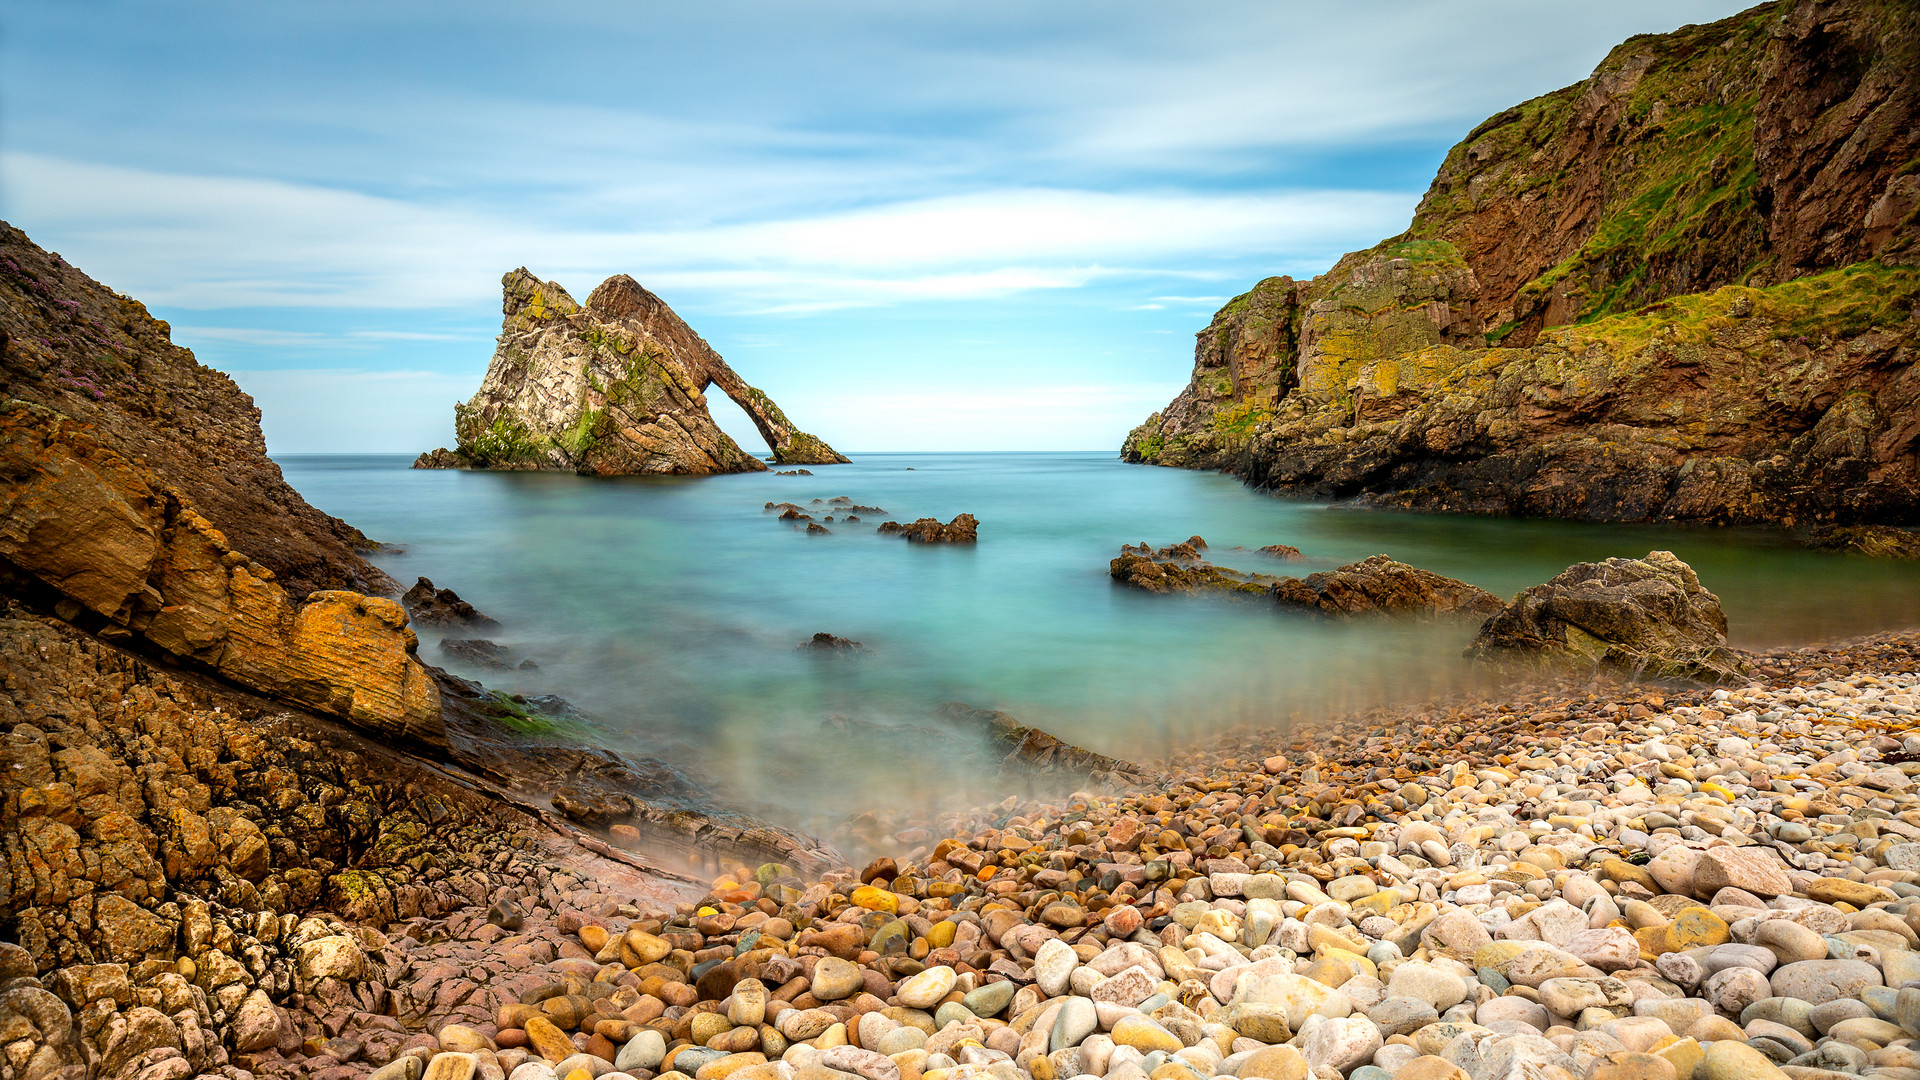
x,y
670,607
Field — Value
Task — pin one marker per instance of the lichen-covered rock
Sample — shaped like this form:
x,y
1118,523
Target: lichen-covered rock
x,y
1678,290
132,557
1646,616
614,387
1381,585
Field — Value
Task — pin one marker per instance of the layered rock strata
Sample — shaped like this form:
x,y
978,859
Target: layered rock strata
x,y
73,345
131,557
614,387
1682,289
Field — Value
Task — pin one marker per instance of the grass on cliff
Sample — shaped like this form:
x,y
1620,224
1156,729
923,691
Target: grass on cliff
x,y
1837,304
1682,173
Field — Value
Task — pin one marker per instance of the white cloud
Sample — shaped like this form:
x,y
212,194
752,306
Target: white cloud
x,y
202,242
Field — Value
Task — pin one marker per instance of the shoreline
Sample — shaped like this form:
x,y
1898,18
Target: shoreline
x,y
447,964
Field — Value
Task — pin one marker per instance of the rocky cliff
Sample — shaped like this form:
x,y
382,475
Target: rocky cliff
x,y
1682,289
73,345
617,386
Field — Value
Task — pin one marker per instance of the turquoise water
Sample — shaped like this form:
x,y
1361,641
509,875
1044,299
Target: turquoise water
x,y
670,607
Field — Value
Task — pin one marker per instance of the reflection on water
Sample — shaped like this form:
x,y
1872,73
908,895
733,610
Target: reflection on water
x,y
671,607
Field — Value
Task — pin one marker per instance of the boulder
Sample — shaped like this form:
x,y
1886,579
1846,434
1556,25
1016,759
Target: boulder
x,y
1642,617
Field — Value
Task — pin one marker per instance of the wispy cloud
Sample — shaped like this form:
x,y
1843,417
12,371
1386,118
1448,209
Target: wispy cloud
x,y
226,242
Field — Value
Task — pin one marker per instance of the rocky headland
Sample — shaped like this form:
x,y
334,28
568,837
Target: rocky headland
x,y
613,387
1682,289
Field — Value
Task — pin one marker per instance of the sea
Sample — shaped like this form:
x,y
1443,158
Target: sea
x,y
670,609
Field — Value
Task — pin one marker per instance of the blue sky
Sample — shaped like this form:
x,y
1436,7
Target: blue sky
x,y
939,226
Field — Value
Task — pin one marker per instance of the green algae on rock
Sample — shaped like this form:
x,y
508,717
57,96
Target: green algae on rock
x,y
1682,289
614,387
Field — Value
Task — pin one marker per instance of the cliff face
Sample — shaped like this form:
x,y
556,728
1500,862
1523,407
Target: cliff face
x,y
1682,288
132,559
612,388
72,344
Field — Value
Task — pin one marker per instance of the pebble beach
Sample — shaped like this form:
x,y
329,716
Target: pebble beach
x,y
1596,881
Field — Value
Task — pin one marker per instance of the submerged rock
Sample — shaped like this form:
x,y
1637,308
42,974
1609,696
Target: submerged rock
x,y
428,606
1879,541
478,651
826,642
1646,616
963,529
1281,551
1380,584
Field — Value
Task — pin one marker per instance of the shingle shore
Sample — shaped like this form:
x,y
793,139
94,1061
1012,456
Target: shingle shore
x,y
1614,882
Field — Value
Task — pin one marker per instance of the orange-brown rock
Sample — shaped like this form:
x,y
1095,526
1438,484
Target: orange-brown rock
x,y
88,352
130,555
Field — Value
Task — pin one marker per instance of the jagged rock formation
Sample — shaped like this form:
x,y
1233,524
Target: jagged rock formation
x,y
1638,617
1181,568
963,529
196,752
131,557
612,388
1682,289
428,606
73,345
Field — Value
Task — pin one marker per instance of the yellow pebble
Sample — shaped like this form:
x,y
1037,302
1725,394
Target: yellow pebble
x,y
874,898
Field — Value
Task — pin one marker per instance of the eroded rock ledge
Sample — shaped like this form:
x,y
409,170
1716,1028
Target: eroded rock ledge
x,y
614,387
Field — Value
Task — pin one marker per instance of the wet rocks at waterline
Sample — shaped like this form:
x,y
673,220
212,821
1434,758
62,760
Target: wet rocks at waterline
x,y
963,529
1670,892
428,606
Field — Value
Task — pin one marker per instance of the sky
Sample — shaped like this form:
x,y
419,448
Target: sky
x,y
940,225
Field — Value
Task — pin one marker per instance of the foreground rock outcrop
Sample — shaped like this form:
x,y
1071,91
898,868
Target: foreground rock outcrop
x,y
614,387
1639,617
1679,290
73,345
131,557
